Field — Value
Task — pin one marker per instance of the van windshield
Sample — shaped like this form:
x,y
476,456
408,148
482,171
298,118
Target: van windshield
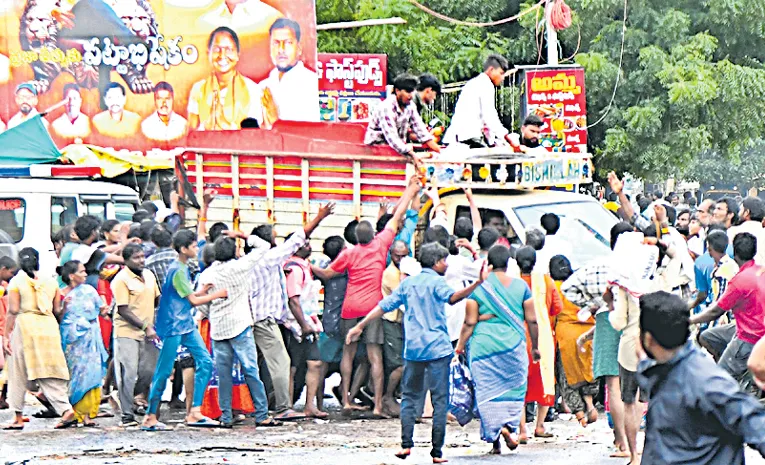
x,y
12,211
585,225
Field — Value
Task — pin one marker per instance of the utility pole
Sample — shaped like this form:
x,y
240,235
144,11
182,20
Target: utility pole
x,y
552,35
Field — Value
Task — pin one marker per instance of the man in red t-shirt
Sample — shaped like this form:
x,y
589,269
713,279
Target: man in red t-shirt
x,y
745,297
365,264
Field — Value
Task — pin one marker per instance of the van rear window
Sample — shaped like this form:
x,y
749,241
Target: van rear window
x,y
12,211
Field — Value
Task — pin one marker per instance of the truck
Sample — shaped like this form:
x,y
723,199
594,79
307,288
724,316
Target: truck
x,y
281,176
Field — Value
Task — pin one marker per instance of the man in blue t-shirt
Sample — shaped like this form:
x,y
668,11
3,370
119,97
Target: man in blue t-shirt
x,y
175,326
427,346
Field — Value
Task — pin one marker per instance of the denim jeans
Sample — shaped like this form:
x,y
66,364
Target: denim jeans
x,y
243,346
202,367
413,388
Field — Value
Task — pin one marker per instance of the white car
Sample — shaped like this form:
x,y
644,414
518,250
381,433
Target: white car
x,y
33,209
585,223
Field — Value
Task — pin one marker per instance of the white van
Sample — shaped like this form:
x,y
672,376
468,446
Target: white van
x,y
33,209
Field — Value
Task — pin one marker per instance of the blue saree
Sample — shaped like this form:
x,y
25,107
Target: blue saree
x,y
497,355
82,342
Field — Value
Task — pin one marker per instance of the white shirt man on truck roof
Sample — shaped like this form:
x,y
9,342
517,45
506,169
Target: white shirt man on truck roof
x,y
476,109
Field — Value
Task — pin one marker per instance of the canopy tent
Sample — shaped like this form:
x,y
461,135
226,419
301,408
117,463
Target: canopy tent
x,y
28,144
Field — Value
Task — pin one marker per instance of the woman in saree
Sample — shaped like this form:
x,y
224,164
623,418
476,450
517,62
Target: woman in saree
x,y
81,341
494,335
577,382
33,346
547,305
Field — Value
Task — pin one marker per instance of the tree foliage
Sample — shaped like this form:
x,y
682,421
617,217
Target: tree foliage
x,y
691,80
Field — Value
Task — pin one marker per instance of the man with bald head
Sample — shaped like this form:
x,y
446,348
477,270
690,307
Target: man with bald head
x,y
393,347
697,244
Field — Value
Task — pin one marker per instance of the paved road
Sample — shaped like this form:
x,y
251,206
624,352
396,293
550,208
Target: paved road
x,y
338,441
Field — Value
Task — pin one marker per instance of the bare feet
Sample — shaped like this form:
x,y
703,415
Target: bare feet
x,y
403,453
511,440
439,460
354,408
391,407
314,413
380,414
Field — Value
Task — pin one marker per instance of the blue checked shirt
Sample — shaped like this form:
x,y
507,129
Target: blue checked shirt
x,y
159,262
268,296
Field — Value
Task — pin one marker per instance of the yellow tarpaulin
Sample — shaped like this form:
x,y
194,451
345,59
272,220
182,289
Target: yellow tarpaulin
x,y
115,162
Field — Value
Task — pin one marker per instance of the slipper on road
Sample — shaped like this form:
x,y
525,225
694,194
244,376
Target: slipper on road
x,y
204,423
159,426
290,415
66,424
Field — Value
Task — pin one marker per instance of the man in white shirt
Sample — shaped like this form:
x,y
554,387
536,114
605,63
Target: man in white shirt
x,y
73,123
291,91
476,110
554,243
164,124
750,214
26,100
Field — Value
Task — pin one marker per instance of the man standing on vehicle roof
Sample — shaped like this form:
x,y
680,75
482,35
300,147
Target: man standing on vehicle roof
x,y
476,109
394,118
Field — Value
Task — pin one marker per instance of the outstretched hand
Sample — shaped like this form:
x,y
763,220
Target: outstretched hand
x,y
485,270
209,196
616,184
326,210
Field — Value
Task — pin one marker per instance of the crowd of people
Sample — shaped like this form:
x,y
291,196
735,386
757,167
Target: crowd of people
x,y
236,321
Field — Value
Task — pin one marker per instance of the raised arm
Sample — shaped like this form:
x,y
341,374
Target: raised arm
x,y
207,198
411,190
324,211
466,292
475,214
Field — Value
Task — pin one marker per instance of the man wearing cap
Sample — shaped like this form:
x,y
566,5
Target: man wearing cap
x,y
26,100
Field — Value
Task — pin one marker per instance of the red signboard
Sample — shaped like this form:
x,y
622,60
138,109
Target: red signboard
x,y
558,97
141,74
350,85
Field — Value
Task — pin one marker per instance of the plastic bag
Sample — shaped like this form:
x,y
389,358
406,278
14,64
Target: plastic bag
x,y
461,395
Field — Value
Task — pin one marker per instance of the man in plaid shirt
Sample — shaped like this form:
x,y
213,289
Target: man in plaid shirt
x,y
159,262
231,319
396,117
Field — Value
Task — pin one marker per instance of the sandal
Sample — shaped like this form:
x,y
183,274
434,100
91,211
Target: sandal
x,y
66,424
12,427
269,423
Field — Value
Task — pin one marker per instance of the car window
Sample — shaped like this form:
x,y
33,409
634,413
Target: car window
x,y
63,211
123,211
585,225
12,212
486,217
97,209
